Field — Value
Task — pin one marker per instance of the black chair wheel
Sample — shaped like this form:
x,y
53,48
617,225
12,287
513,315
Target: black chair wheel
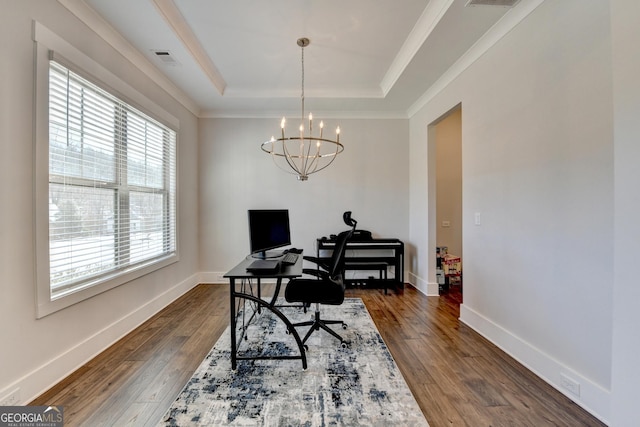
x,y
288,332
343,344
306,347
344,326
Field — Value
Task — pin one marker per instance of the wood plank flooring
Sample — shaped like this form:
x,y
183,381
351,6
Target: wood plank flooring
x,y
457,377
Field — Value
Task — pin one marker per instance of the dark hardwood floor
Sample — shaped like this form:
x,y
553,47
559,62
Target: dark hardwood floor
x,y
457,377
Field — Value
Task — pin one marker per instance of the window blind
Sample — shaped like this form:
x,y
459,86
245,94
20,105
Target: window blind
x,y
112,185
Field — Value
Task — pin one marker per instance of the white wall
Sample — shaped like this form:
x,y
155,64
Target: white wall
x,y
369,178
38,353
448,141
538,165
626,316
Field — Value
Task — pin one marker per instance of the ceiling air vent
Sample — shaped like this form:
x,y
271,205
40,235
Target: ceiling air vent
x,y
501,3
165,56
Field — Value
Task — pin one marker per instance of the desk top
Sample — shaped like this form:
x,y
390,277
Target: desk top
x,y
286,271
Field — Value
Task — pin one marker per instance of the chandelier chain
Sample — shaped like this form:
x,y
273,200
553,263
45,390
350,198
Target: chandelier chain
x,y
302,96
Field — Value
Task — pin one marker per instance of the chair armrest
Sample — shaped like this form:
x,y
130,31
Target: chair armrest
x,y
321,262
316,273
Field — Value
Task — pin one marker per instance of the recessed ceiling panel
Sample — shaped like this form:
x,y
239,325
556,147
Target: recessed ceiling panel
x,y
253,43
251,47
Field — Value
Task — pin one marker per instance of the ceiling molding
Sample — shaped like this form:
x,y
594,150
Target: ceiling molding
x,y
431,16
326,115
427,22
112,37
498,3
501,28
176,21
294,93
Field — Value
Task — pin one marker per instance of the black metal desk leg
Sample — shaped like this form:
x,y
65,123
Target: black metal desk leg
x,y
232,307
259,296
276,292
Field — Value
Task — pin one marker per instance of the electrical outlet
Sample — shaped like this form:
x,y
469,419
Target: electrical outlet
x,y
476,218
11,399
569,384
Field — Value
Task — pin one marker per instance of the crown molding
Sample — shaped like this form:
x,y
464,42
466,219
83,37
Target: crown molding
x,y
427,22
295,94
265,114
181,28
105,31
500,29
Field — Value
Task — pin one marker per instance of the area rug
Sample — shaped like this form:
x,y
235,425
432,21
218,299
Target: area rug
x,y
360,385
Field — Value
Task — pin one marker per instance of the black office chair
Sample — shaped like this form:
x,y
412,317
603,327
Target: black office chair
x,y
326,288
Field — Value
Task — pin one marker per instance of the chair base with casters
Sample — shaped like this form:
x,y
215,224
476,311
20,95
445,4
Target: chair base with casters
x,y
317,323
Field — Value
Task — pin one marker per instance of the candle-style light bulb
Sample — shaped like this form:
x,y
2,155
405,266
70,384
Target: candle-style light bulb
x,y
310,123
282,128
338,134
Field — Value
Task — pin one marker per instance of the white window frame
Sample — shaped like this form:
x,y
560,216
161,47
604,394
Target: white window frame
x,y
48,45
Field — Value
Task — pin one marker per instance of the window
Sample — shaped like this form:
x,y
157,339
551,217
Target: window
x,y
112,185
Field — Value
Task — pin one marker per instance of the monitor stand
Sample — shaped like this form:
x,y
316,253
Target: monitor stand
x,y
267,254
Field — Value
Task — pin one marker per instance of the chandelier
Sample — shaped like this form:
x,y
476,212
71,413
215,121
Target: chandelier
x,y
304,153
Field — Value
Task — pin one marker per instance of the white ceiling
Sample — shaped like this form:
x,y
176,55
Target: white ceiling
x,y
240,58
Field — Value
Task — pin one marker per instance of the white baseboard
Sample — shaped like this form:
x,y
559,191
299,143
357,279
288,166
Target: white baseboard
x,y
213,277
592,397
429,289
55,370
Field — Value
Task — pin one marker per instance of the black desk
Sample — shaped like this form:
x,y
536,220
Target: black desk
x,y
371,262
240,272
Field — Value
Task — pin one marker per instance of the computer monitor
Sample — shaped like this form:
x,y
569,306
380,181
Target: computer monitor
x,y
268,229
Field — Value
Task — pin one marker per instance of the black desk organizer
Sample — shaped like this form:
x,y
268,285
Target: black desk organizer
x,y
373,263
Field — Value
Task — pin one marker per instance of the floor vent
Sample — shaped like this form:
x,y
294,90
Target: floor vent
x,y
501,3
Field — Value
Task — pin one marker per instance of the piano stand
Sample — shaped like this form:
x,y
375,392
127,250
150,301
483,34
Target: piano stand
x,y
361,256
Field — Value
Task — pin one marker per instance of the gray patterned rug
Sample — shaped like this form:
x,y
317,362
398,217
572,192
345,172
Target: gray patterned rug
x,y
357,386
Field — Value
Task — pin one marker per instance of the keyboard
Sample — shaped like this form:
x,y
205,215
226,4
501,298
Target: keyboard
x,y
289,258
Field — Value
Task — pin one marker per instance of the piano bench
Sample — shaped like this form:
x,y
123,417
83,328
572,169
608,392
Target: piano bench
x,y
380,267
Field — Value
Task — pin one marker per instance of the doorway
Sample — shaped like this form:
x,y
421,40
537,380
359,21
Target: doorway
x,y
448,200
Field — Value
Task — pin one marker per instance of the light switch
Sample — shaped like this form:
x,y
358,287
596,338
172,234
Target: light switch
x,y
477,218
446,224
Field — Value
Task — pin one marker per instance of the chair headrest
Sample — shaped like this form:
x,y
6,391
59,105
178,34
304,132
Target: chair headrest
x,y
346,217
